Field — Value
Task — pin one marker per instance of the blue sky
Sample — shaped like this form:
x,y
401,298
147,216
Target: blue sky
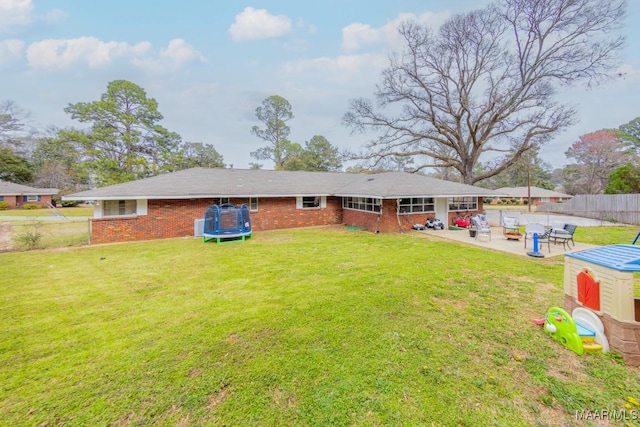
x,y
209,64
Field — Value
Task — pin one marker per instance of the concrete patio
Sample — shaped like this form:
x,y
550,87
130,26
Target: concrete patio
x,y
500,243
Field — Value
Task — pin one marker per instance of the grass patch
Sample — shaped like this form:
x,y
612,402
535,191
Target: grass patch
x,y
606,235
315,326
55,234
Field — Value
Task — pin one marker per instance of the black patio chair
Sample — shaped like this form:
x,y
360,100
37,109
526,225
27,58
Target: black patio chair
x,y
564,236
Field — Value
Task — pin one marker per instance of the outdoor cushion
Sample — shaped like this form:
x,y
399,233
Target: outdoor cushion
x,y
509,222
557,226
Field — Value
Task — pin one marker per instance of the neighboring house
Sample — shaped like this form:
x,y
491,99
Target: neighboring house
x,y
16,195
539,195
167,205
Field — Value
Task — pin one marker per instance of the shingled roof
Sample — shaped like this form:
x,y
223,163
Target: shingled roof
x,y
210,183
535,192
13,189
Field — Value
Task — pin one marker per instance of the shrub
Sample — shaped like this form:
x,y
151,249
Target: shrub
x,y
30,206
69,203
30,238
4,205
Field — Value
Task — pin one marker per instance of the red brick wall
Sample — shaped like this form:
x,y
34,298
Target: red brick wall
x,y
280,212
175,218
390,222
387,222
11,200
17,201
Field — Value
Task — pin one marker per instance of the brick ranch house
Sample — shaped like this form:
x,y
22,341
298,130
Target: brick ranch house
x,y
167,205
17,195
539,196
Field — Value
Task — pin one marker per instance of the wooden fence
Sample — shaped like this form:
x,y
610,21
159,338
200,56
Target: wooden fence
x,y
622,208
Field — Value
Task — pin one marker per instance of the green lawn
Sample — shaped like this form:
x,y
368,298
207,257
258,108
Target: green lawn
x,y
53,233
318,327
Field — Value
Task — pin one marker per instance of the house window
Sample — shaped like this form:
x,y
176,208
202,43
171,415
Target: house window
x,y
253,204
31,198
416,205
368,204
1,198
311,202
119,207
463,203
224,200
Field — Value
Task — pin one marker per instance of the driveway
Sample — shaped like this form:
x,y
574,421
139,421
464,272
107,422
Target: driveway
x,y
544,218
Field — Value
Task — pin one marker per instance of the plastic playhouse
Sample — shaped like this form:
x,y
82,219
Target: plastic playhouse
x,y
599,292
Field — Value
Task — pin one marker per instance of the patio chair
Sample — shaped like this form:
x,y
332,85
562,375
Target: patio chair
x,y
481,227
511,228
543,235
564,235
510,224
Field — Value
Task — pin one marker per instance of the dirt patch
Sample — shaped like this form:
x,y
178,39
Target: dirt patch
x,y
6,237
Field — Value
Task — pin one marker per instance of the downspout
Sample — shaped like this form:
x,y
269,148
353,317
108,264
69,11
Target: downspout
x,y
400,230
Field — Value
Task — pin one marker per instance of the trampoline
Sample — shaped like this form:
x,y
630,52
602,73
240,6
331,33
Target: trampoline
x,y
226,223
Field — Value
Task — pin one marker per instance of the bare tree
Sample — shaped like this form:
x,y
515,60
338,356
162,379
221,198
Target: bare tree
x,y
13,124
484,83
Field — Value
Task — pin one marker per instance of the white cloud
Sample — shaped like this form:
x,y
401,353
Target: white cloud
x,y
65,53
358,36
15,14
52,17
258,24
10,50
308,27
341,68
177,53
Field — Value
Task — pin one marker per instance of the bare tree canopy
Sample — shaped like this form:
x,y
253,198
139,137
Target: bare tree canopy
x,y
12,124
485,83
